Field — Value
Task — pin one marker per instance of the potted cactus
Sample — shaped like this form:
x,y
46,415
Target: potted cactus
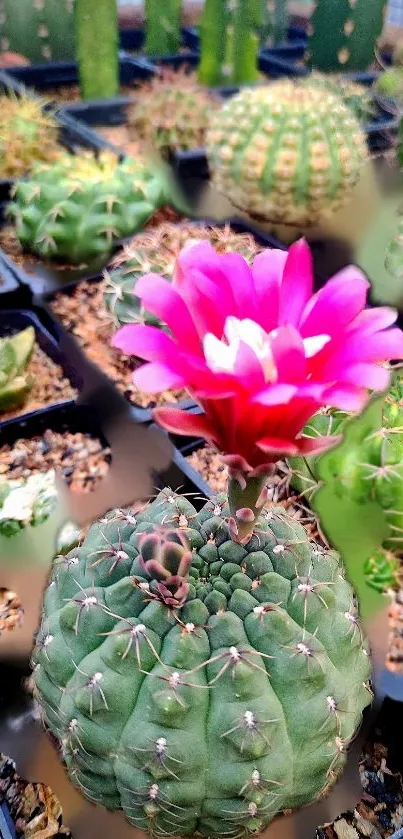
x,y
182,677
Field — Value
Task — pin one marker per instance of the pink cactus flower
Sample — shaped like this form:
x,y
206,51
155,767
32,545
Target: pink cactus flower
x,y
258,350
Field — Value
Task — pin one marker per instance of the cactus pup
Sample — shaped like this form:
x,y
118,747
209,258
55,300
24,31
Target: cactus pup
x,y
204,671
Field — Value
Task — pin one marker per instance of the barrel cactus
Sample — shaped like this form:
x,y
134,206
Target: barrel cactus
x,y
15,381
198,684
157,251
289,152
27,134
77,208
171,113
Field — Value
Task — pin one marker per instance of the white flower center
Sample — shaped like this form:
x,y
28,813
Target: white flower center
x,y
221,354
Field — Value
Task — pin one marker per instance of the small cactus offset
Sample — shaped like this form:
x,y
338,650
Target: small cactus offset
x,y
40,31
15,382
156,251
163,27
171,113
199,685
230,38
343,34
76,209
27,135
288,152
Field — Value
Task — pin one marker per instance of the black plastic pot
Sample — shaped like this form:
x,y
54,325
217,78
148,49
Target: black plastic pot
x,y
11,292
14,320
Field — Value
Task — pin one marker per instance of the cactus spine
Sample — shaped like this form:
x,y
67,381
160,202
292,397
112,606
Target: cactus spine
x,y
97,45
230,37
343,34
41,31
199,685
163,26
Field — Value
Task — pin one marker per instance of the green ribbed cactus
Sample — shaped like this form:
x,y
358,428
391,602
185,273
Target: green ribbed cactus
x,y
15,382
41,31
163,26
343,34
156,251
288,152
197,684
367,468
77,208
97,47
230,38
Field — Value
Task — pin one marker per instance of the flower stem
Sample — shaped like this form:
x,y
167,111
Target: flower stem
x,y
245,505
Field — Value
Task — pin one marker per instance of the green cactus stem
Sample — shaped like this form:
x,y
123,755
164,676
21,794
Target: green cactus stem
x,y
280,21
163,26
200,685
40,31
97,45
343,34
230,38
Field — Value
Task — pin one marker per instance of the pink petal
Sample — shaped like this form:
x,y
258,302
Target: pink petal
x,y
240,278
296,286
275,395
247,368
336,304
159,297
267,272
147,342
289,354
275,445
346,397
185,423
373,320
156,377
204,286
357,349
371,376
315,445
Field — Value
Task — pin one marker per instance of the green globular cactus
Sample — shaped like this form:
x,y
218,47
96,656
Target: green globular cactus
x,y
163,27
368,468
343,34
27,135
287,152
171,113
15,382
230,38
38,30
199,685
76,209
97,47
156,251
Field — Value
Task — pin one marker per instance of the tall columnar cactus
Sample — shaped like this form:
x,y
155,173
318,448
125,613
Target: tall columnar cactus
x,y
343,34
15,382
40,31
230,37
97,45
77,208
163,26
197,684
288,152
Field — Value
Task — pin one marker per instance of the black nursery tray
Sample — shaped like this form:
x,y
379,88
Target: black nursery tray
x,y
15,320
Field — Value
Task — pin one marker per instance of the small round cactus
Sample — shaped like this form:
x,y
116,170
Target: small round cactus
x,y
287,152
156,251
77,208
27,134
199,685
171,113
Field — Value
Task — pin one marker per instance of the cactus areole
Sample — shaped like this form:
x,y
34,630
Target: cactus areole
x,y
204,671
